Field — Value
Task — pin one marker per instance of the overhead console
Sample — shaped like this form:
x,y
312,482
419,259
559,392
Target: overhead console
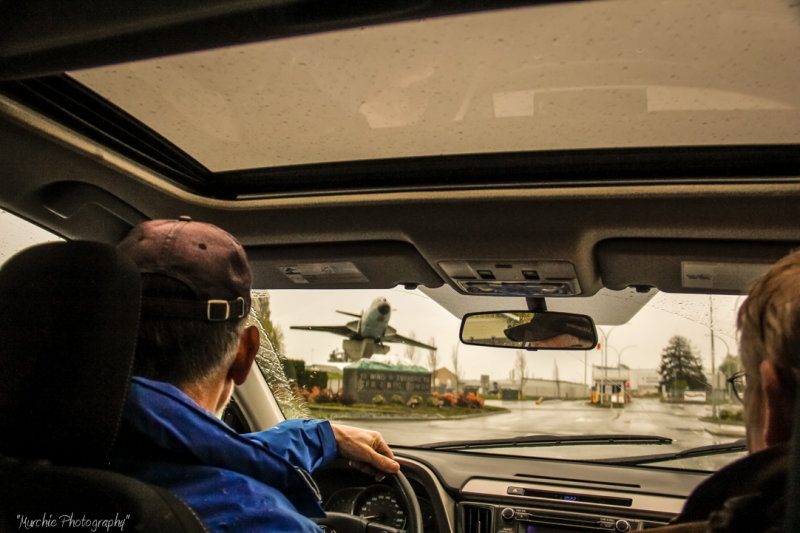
x,y
513,278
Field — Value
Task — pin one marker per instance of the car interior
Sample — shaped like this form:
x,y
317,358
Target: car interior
x,y
577,157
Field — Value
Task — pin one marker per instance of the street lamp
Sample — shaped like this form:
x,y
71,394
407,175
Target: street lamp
x,y
620,352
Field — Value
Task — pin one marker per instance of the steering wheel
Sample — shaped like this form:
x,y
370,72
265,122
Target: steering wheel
x,y
347,523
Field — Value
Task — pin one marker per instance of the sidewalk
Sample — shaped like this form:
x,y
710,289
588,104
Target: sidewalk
x,y
724,430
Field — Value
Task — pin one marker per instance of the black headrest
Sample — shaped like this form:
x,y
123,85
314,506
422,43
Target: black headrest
x,y
69,317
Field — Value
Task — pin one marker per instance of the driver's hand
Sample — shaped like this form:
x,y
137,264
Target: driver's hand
x,y
366,450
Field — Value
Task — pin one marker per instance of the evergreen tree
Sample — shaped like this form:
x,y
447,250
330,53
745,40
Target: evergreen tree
x,y
680,367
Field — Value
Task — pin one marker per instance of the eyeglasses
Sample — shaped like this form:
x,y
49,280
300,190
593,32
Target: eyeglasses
x,y
738,382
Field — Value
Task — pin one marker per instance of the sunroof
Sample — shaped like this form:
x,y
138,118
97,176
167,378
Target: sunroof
x,y
578,75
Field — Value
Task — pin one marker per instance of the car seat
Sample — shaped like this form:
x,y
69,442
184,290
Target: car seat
x,y
69,315
793,490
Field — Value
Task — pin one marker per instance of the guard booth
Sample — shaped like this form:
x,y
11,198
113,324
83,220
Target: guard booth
x,y
610,385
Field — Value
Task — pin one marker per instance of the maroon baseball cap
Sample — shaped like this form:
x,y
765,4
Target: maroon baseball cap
x,y
205,258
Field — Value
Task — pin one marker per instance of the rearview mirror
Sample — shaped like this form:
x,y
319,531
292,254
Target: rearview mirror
x,y
529,330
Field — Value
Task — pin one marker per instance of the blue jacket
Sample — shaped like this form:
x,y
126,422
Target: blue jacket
x,y
233,482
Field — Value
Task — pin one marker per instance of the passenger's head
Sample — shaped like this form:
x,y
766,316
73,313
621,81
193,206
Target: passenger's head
x,y
196,297
769,345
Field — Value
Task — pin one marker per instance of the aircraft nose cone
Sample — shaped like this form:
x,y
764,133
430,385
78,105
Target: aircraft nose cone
x,y
383,309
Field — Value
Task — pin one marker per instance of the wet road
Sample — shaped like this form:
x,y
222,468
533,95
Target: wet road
x,y
643,417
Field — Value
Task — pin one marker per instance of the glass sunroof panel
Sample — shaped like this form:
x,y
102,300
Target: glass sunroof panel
x,y
557,77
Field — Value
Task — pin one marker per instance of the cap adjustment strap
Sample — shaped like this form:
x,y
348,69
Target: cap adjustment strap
x,y
220,310
210,310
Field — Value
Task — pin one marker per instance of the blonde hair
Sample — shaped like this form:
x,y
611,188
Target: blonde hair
x,y
769,319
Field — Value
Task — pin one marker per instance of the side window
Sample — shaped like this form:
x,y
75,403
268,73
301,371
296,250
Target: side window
x,y
17,234
234,418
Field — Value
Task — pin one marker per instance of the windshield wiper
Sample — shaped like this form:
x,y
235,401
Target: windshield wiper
x,y
700,451
529,441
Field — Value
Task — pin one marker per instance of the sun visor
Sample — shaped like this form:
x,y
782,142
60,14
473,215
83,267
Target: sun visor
x,y
348,265
687,265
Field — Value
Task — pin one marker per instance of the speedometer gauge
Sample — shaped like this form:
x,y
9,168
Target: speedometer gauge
x,y
342,500
381,504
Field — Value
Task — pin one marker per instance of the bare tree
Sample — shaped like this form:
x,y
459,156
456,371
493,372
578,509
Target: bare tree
x,y
521,371
556,379
411,351
456,369
432,361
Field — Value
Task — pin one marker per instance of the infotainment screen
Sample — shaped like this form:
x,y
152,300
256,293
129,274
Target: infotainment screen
x,y
533,528
547,528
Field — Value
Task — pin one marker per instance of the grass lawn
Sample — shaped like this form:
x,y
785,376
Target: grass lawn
x,y
332,411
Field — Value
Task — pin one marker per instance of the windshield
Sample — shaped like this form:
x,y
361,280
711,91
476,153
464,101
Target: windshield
x,y
478,398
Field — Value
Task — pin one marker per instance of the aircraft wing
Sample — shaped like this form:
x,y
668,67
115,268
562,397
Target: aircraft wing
x,y
349,314
394,337
337,330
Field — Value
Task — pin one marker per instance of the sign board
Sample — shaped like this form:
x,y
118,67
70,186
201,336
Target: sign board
x,y
694,396
365,384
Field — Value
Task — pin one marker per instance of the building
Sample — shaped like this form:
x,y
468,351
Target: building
x,y
334,374
610,384
445,380
538,388
644,381
548,388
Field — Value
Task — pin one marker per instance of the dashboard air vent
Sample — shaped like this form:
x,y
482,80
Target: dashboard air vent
x,y
476,519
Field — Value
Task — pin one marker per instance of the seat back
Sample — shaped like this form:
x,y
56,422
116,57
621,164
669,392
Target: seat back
x,y
69,315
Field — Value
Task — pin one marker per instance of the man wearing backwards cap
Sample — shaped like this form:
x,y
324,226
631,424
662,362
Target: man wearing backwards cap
x,y
193,347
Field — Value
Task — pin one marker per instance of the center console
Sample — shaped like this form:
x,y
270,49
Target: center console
x,y
485,518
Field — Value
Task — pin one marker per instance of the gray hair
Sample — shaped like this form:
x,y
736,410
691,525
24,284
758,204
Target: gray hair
x,y
179,350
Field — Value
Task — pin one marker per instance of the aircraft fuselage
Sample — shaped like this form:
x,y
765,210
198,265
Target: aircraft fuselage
x,y
375,319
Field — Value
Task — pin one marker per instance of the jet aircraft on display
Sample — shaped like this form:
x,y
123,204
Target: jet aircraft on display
x,y
367,335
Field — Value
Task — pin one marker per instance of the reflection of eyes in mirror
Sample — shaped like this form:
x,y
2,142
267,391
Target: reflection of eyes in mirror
x,y
564,340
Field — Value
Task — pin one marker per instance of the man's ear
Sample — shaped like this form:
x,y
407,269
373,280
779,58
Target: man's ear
x,y
778,406
245,355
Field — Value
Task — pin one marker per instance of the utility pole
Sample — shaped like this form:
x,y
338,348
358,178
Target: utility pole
x,y
713,366
604,348
585,362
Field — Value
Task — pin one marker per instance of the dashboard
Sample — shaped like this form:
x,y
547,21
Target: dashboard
x,y
345,490
462,492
